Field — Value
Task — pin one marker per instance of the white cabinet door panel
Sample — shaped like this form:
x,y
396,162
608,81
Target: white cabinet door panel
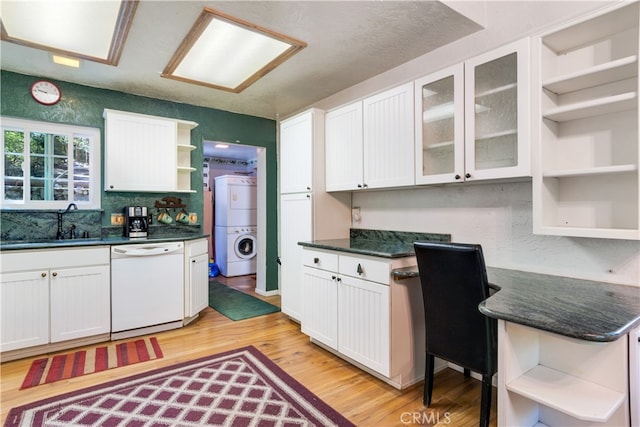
x,y
320,306
364,322
198,284
388,138
25,309
296,155
80,302
140,153
296,221
343,149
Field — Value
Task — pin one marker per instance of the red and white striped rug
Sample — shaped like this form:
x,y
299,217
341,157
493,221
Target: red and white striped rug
x,y
83,362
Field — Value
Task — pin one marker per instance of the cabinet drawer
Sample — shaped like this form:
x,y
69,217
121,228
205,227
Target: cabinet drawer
x,y
365,268
320,259
197,247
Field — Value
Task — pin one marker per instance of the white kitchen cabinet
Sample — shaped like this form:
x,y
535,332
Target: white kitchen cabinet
x,y
147,153
54,295
586,106
439,125
196,281
25,309
307,212
354,307
370,143
472,119
296,225
320,305
344,148
550,380
364,320
79,302
388,138
296,148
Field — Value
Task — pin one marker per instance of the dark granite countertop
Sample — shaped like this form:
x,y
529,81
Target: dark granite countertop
x,y
588,310
380,243
583,309
70,243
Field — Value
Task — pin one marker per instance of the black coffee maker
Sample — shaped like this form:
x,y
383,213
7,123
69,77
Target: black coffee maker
x,y
136,221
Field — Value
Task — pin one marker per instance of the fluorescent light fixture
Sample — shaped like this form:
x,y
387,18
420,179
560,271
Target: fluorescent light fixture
x,y
227,53
91,30
64,60
221,146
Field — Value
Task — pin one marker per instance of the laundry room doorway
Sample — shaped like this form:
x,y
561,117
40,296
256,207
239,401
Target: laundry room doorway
x,y
239,173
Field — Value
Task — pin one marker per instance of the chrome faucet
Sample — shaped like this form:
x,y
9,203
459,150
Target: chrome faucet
x,y
72,231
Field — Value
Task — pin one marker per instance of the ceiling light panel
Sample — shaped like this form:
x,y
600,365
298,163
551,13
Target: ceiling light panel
x,y
93,30
227,53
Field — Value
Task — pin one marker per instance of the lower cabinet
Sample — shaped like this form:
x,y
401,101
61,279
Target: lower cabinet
x,y
79,302
196,282
352,306
51,296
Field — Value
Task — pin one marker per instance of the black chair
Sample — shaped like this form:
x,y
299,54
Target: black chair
x,y
454,281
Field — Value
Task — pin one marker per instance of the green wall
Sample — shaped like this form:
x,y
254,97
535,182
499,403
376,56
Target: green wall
x,y
83,106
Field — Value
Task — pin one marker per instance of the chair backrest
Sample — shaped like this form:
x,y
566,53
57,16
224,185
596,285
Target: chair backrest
x,y
454,281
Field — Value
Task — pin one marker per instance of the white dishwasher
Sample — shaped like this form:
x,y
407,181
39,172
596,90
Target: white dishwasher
x,y
147,288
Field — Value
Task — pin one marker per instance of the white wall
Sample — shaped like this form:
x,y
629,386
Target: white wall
x,y
498,216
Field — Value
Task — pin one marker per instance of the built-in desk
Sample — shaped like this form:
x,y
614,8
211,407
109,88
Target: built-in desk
x,y
568,349
564,349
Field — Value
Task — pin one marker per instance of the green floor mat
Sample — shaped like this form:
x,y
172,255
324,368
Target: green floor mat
x,y
237,305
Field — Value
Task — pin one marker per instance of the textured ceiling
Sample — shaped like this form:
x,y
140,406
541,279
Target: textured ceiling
x,y
348,42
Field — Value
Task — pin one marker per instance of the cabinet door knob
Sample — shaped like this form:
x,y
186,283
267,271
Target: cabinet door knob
x,y
308,188
359,270
365,186
54,274
43,274
333,277
316,260
467,175
339,279
193,260
359,185
457,176
111,187
308,196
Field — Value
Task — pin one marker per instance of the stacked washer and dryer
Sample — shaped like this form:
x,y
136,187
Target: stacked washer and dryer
x,y
235,224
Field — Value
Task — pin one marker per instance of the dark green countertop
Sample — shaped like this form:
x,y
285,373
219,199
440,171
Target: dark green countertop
x,y
380,243
70,243
584,309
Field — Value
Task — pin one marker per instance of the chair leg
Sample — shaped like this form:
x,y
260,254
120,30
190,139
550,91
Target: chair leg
x,y
485,403
428,380
467,373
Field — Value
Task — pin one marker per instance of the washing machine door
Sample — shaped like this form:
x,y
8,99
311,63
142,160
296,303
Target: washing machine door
x,y
245,246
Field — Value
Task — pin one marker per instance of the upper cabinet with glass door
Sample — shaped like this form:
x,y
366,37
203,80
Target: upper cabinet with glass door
x,y
440,126
472,119
497,91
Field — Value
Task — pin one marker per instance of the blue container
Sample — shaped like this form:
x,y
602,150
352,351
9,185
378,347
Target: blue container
x,y
213,269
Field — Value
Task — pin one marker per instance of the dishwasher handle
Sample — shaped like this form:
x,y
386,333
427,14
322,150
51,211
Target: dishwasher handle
x,y
147,251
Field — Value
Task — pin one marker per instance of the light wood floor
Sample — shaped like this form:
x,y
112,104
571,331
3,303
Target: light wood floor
x,y
360,397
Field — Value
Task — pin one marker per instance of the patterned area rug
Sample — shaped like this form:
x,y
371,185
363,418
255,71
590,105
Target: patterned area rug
x,y
237,388
83,362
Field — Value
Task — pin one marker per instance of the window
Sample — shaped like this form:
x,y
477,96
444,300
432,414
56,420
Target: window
x,y
49,165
